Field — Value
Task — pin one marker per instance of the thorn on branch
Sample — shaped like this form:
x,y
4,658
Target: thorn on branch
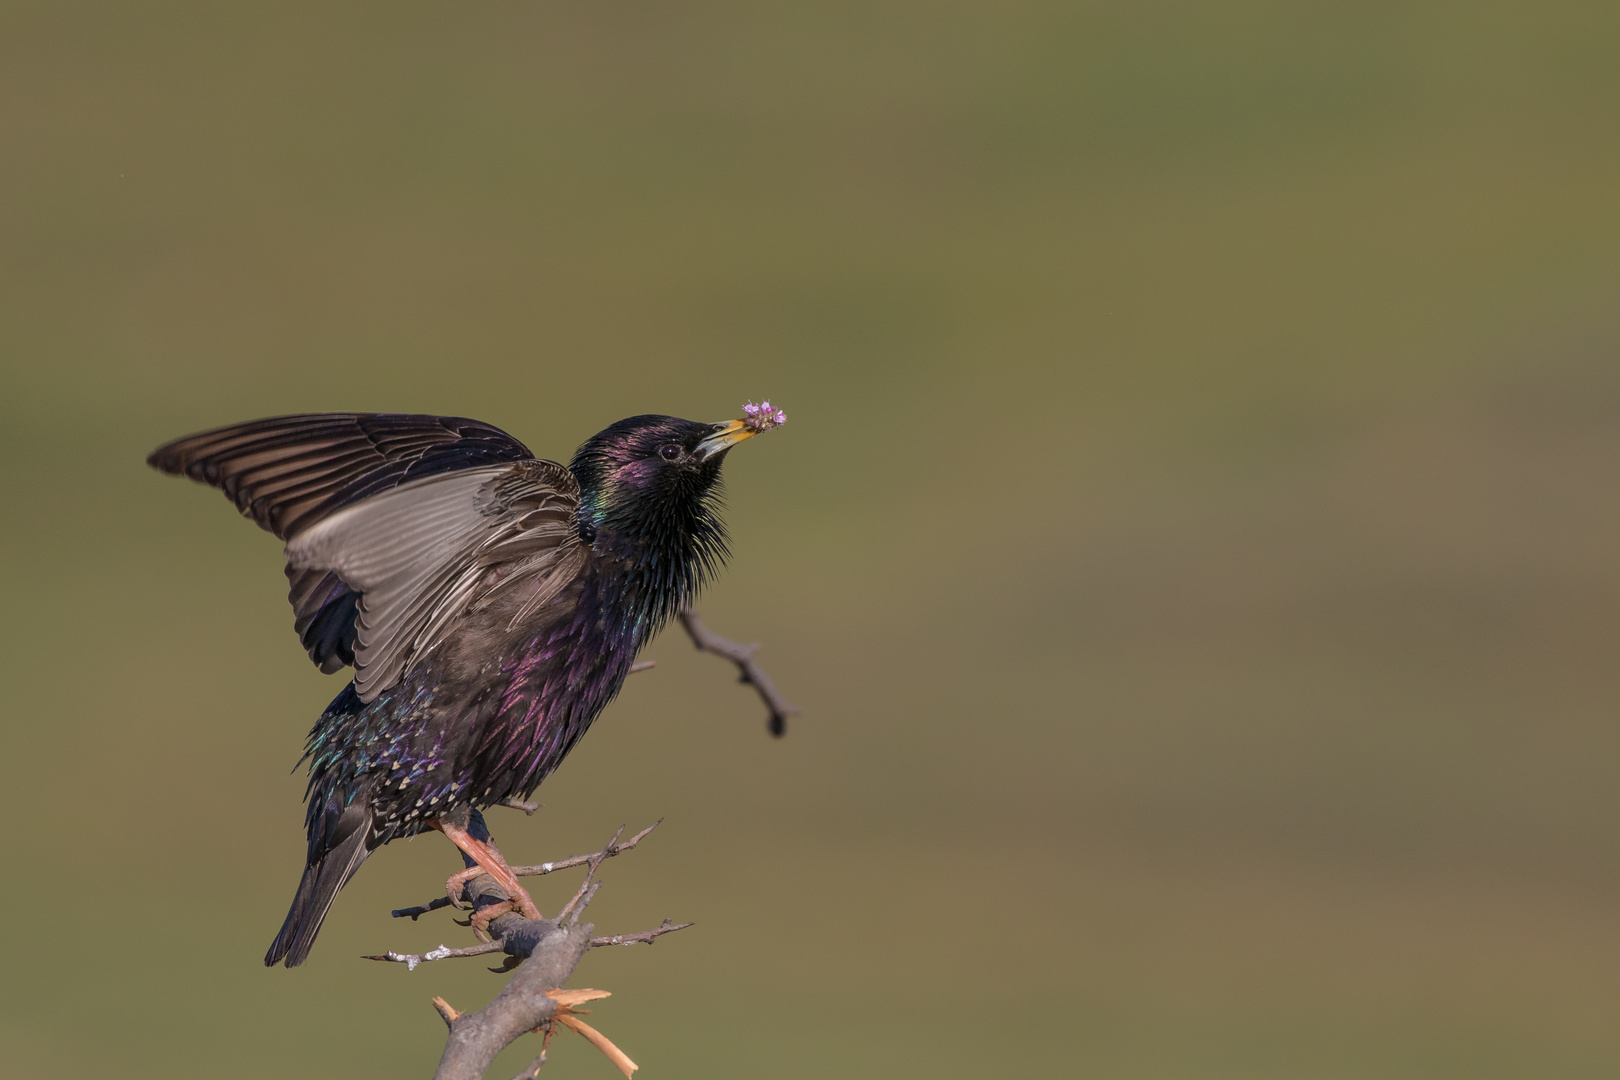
x,y
643,665
518,804
747,670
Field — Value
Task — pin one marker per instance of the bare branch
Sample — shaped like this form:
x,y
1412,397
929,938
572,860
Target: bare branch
x,y
747,670
586,889
443,952
582,900
447,1011
608,852
645,937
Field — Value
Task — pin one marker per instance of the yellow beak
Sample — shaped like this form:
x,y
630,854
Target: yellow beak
x,y
726,435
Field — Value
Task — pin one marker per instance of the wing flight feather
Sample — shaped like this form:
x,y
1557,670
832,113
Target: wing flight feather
x,y
393,522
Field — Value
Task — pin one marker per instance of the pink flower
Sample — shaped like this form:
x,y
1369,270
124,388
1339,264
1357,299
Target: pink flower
x,y
762,417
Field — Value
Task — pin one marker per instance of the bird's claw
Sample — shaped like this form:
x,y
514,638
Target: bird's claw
x,y
482,917
455,886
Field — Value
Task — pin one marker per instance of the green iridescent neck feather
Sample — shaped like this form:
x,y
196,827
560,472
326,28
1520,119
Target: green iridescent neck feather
x,y
650,497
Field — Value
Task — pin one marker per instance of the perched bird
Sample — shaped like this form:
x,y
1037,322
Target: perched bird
x,y
490,603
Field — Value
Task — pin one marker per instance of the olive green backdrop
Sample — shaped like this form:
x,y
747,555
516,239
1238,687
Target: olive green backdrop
x,y
1193,545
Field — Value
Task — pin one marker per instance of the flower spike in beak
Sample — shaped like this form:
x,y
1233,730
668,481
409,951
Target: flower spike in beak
x,y
762,417
755,419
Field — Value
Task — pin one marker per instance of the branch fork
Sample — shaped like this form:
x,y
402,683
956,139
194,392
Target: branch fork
x,y
543,952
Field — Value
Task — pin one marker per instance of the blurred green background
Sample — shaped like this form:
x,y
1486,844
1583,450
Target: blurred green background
x,y
1193,546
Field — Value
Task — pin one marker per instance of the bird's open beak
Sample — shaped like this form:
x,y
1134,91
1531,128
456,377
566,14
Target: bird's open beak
x,y
726,435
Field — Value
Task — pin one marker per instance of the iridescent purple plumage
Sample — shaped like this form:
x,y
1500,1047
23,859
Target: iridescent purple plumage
x,y
528,589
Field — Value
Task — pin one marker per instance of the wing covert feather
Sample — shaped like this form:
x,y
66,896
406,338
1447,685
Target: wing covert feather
x,y
421,554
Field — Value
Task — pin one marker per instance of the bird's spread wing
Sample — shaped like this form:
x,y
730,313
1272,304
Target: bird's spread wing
x,y
422,554
290,473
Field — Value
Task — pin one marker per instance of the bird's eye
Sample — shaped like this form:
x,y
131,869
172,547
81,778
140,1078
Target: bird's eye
x,y
669,452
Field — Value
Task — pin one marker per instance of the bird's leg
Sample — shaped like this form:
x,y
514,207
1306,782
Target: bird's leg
x,y
489,860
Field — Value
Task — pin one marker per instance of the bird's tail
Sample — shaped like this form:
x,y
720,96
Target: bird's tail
x,y
316,891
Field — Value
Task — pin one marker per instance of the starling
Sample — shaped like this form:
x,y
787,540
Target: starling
x,y
490,603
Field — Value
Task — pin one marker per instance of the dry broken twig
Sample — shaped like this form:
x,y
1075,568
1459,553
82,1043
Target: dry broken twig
x,y
747,670
568,1016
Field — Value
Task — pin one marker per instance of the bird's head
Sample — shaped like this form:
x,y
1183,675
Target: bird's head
x,y
650,493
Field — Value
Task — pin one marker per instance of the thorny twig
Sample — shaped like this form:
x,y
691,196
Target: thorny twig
x,y
747,670
614,848
538,869
646,937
